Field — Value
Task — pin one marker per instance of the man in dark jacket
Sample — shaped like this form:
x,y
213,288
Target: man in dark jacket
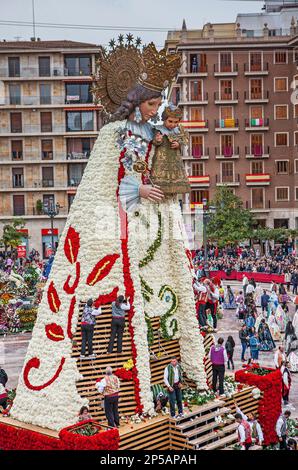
x,y
244,337
294,282
264,302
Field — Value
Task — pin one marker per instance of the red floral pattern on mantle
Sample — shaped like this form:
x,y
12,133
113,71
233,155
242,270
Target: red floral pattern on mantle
x,y
53,298
34,363
101,269
72,245
269,407
70,289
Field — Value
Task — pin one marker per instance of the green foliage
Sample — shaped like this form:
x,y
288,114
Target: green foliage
x,y
39,206
11,238
276,234
230,223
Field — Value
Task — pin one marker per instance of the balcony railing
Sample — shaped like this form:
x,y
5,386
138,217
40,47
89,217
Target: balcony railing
x,y
258,205
256,122
259,179
228,179
34,72
195,125
229,123
257,150
17,155
226,68
36,129
74,182
248,96
43,100
255,68
78,155
47,183
198,68
227,151
226,96
199,96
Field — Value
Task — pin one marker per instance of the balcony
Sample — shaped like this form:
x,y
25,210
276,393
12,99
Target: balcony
x,y
257,179
194,72
226,98
35,185
195,126
257,151
229,124
256,97
78,155
33,73
47,183
228,180
253,124
194,99
228,151
258,206
227,70
17,155
197,151
15,102
256,69
199,181
74,182
36,130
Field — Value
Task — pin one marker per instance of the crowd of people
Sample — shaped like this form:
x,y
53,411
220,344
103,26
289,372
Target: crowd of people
x,y
281,260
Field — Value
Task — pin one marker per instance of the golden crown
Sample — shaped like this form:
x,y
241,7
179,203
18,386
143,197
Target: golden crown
x,y
160,68
125,65
173,111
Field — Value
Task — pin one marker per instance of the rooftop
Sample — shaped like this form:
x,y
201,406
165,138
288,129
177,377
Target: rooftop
x,y
37,44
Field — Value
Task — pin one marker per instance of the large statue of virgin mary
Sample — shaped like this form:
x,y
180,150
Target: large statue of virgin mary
x,y
122,236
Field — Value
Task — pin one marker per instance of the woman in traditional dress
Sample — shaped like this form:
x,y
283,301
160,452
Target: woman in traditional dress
x,y
121,235
291,347
266,341
281,318
229,301
273,326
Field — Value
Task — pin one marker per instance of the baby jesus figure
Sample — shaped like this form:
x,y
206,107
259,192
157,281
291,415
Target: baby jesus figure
x,y
167,167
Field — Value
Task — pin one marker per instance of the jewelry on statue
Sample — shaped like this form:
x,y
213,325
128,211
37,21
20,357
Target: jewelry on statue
x,y
155,119
138,115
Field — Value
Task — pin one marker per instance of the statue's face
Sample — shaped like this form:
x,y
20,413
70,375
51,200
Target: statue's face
x,y
149,108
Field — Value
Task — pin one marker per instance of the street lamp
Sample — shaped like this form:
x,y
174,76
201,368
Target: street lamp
x,y
52,210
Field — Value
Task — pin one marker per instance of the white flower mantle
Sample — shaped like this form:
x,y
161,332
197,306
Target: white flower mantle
x,y
94,215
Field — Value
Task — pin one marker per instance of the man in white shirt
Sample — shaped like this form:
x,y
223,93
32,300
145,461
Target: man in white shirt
x,y
281,429
279,357
244,283
256,430
109,386
249,289
173,382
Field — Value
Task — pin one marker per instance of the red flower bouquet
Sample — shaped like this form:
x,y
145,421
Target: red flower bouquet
x,y
269,381
124,374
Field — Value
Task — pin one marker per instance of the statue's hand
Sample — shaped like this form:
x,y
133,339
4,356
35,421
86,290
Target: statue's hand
x,y
175,144
153,193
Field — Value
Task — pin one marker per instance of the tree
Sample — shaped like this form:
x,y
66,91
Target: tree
x,y
230,223
11,236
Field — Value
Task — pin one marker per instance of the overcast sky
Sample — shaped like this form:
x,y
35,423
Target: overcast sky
x,y
167,14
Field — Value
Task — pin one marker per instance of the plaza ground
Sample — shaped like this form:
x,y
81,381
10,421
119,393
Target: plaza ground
x,y
13,350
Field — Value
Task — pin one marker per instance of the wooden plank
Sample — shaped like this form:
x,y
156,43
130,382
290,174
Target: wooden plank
x,y
31,427
221,442
214,435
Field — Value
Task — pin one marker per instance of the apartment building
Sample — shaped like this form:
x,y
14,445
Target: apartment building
x,y
240,108
48,125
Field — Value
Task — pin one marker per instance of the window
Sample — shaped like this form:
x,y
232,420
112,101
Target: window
x,y
197,63
14,93
225,62
197,146
257,168
78,65
13,66
296,138
257,198
255,62
296,166
78,93
282,194
48,201
75,173
226,89
47,176
18,204
70,200
226,112
196,114
16,122
45,93
281,111
44,66
197,196
226,142
282,167
295,110
79,148
280,84
256,86
280,57
46,121
256,112
196,87
17,149
281,223
256,143
17,177
227,172
197,169
47,149
175,97
79,121
296,193
281,138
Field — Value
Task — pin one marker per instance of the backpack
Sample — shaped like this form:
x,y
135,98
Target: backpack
x,y
3,377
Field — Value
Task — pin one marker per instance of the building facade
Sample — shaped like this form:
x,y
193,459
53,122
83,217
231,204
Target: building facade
x,y
48,125
240,108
